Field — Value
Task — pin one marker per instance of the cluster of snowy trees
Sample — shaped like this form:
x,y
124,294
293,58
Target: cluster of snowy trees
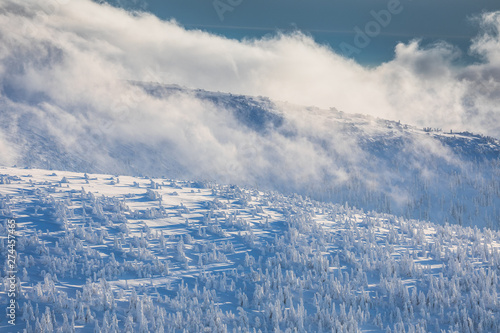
x,y
229,259
464,192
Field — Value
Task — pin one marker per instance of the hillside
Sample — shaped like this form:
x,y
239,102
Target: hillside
x,y
105,253
328,155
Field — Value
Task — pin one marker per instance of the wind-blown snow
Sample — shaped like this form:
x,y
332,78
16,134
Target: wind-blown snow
x,y
70,99
325,154
122,253
69,53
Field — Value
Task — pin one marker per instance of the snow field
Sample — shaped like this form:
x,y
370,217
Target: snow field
x,y
103,253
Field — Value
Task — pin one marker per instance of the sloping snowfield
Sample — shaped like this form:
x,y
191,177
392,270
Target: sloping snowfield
x,y
101,253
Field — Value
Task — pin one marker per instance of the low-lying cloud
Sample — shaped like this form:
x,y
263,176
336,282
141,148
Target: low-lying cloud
x,y
65,47
69,98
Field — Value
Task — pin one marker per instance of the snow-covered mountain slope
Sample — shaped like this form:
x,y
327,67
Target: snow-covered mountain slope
x,y
332,156
101,253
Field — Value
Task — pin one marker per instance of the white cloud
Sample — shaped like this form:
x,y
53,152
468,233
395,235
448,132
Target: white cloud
x,y
8,155
65,71
93,44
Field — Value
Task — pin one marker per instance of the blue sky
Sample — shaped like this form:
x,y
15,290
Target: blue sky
x,y
331,22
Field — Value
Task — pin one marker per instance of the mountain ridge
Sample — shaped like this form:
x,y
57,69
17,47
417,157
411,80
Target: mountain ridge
x,y
330,155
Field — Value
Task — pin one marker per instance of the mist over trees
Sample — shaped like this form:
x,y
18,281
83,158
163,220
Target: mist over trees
x,y
328,155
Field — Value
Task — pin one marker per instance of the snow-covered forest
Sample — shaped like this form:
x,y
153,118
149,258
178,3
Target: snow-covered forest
x,y
107,253
158,176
